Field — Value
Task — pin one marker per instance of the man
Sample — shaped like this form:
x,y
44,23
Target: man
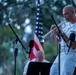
x,y
67,58
39,58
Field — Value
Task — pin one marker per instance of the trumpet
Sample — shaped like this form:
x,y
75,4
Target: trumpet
x,y
47,34
61,25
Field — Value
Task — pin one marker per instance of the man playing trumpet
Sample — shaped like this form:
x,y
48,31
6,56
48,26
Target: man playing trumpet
x,y
67,60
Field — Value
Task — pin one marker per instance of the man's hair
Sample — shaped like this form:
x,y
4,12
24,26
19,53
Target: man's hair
x,y
70,7
40,52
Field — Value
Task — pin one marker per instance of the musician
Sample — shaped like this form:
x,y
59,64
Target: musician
x,y
67,58
39,58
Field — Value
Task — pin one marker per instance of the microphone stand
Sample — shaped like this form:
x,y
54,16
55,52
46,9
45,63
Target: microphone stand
x,y
59,46
16,49
17,37
15,55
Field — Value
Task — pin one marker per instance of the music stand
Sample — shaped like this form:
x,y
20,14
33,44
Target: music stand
x,y
38,68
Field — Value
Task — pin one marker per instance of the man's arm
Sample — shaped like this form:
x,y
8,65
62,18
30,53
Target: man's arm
x,y
55,38
63,35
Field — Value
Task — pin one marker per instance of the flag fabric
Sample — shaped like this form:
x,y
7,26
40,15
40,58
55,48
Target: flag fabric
x,y
38,33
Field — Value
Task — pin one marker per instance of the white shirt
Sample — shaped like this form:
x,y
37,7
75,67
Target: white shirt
x,y
27,64
68,28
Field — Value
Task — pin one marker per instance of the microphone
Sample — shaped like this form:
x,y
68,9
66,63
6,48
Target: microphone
x,y
31,43
71,38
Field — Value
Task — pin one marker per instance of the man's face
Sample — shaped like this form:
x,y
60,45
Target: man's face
x,y
67,14
40,56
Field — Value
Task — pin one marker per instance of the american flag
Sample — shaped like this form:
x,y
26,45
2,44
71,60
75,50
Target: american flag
x,y
38,40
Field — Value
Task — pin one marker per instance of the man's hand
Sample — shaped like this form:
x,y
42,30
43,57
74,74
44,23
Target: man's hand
x,y
54,29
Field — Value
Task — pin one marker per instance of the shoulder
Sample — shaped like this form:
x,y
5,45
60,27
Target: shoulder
x,y
65,27
33,59
45,60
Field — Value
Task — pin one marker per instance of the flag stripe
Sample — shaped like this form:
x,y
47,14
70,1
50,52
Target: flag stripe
x,y
36,40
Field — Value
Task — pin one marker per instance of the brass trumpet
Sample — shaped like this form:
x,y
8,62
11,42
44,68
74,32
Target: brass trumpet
x,y
61,25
